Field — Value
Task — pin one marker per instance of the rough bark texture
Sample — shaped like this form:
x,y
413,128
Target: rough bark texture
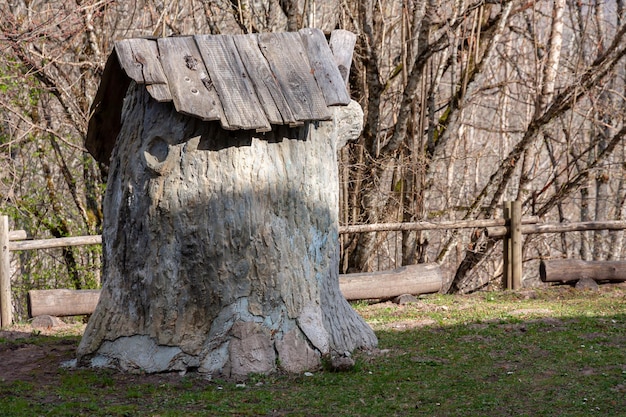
x,y
221,248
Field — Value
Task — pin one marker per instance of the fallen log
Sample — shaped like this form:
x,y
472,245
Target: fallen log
x,y
409,279
62,302
564,270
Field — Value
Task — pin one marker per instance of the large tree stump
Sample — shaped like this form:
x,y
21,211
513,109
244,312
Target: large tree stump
x,y
221,247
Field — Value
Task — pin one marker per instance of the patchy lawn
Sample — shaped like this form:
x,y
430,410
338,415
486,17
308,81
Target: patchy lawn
x,y
544,352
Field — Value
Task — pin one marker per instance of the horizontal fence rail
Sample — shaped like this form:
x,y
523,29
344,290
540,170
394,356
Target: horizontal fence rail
x,y
424,225
56,243
527,229
510,228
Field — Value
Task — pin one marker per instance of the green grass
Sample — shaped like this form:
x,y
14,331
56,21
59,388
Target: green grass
x,y
554,352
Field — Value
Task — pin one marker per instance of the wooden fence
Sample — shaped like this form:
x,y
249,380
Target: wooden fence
x,y
511,227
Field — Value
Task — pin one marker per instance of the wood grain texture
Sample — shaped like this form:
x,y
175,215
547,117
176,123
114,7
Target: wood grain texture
x,y
127,60
290,65
267,89
106,109
529,228
564,270
217,243
140,60
279,78
409,279
232,83
62,302
342,44
188,78
159,92
56,243
6,304
325,71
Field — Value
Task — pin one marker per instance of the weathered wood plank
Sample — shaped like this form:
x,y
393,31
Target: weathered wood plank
x,y
325,71
127,60
426,225
230,78
342,45
105,122
267,89
56,243
289,63
159,92
192,90
62,302
501,231
140,60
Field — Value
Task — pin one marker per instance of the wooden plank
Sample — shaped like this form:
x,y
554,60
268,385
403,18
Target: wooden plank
x,y
160,92
409,279
230,78
325,70
105,120
140,59
6,303
564,270
146,52
192,90
56,243
342,45
62,302
127,60
289,64
267,89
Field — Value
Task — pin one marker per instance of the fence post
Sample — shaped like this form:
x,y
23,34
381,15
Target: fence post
x,y
506,248
516,245
6,305
512,246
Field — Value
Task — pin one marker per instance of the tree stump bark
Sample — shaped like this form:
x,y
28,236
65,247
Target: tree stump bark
x,y
221,247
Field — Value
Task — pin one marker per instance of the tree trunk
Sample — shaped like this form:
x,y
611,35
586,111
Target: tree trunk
x,y
221,248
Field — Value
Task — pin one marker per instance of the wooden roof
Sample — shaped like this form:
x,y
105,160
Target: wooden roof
x,y
246,82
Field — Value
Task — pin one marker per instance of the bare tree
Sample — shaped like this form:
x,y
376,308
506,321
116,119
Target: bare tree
x,y
467,103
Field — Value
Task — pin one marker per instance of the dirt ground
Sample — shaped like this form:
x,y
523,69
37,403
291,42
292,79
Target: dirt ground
x,y
38,360
23,360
